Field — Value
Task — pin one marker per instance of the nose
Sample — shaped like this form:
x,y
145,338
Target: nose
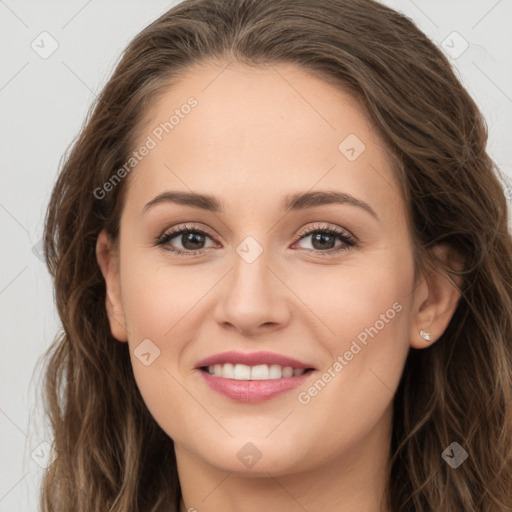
x,y
253,298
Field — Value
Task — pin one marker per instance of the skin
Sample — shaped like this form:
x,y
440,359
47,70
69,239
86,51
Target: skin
x,y
256,135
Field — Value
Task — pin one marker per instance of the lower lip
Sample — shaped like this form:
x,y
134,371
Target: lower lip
x,y
253,391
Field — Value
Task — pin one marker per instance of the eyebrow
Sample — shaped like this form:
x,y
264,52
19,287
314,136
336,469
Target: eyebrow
x,y
294,202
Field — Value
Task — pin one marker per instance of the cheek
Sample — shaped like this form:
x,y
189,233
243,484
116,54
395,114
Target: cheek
x,y
361,297
365,310
157,300
369,312
160,304
157,297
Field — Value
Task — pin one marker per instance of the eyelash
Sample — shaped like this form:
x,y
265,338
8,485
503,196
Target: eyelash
x,y
347,239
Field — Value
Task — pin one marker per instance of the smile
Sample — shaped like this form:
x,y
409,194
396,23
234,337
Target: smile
x,y
258,372
252,377
268,381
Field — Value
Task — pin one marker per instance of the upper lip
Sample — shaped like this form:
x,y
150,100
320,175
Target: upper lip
x,y
252,359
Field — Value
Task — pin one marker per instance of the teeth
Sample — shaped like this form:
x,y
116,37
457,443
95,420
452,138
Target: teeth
x,y
228,371
258,372
262,372
287,371
241,372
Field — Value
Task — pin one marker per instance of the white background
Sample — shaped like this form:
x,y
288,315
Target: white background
x,y
43,104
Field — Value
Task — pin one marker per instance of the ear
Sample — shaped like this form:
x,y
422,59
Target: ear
x,y
436,298
108,260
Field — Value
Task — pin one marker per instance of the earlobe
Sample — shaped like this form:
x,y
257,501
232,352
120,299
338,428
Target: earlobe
x,y
108,262
436,299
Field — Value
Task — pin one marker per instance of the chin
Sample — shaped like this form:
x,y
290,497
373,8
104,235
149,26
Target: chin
x,y
255,458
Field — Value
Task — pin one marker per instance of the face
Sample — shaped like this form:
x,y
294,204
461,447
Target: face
x,y
307,255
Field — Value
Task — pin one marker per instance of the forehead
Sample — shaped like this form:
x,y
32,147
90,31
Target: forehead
x,y
260,132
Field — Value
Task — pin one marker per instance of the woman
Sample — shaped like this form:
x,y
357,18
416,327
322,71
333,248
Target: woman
x,y
283,269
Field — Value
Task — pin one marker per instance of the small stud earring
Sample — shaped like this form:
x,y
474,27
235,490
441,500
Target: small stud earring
x,y
425,334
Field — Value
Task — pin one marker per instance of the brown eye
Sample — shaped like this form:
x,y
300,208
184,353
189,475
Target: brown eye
x,y
192,240
323,240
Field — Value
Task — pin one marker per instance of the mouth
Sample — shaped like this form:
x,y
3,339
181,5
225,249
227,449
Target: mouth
x,y
258,372
253,377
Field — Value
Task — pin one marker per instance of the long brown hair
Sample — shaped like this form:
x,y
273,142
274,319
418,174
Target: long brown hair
x,y
112,455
